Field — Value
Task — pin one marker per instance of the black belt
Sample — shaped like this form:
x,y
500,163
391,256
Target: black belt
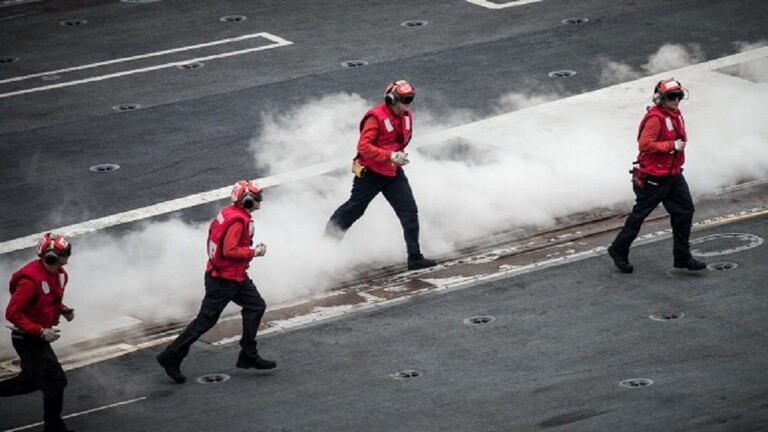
x,y
661,179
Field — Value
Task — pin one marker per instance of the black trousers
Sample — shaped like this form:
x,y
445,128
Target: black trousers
x,y
218,293
40,370
397,192
673,193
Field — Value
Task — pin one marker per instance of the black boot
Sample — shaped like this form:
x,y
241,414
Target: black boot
x,y
57,426
256,362
621,262
690,264
171,368
420,263
57,429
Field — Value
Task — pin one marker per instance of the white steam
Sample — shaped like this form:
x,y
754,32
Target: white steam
x,y
674,56
549,161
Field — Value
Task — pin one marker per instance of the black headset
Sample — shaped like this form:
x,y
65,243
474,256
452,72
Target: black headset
x,y
391,96
249,199
50,257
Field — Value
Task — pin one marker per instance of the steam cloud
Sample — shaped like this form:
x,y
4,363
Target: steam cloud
x,y
548,166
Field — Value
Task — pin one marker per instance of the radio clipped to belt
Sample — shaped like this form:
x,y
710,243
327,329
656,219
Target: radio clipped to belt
x,y
638,176
357,169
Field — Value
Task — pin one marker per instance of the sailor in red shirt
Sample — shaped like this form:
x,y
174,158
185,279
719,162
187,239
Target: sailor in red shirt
x,y
36,305
230,237
662,140
385,131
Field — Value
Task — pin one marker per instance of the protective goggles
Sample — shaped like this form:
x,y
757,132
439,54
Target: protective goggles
x,y
62,253
675,95
405,99
255,197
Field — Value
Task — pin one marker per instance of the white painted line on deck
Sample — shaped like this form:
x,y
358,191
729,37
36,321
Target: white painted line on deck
x,y
500,121
276,43
140,56
493,5
80,413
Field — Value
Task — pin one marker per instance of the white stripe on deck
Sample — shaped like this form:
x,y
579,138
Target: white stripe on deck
x,y
101,408
276,42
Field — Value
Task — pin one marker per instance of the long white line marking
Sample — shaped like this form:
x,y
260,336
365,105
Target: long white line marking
x,y
328,166
81,413
138,57
492,5
170,206
277,42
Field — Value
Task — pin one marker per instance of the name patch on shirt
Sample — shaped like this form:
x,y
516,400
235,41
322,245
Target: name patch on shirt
x,y
46,288
668,121
388,125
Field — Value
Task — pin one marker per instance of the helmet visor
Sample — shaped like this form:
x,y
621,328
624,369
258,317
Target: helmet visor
x,y
66,252
675,95
254,196
405,99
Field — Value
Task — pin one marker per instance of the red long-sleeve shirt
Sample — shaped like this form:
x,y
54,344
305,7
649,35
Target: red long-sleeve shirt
x,y
647,143
230,249
21,299
368,136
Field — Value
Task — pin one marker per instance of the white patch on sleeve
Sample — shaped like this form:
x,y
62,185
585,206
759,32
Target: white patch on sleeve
x,y
220,218
407,123
388,125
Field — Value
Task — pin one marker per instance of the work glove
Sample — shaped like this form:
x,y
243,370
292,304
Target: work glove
x,y
679,145
50,334
260,249
68,313
399,157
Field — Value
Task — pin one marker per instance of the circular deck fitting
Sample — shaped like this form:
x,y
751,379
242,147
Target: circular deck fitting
x,y
8,59
126,107
105,167
738,242
212,378
636,382
139,1
50,77
575,20
414,23
722,266
354,63
193,65
407,374
477,320
73,22
233,18
565,73
666,316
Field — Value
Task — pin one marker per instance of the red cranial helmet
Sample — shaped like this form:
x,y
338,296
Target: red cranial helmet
x,y
669,89
667,86
399,91
51,246
245,193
